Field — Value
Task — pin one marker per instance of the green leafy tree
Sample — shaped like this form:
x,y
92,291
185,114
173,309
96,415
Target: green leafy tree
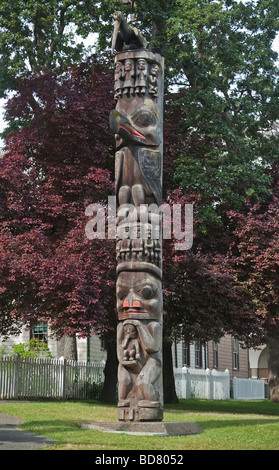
x,y
39,36
221,79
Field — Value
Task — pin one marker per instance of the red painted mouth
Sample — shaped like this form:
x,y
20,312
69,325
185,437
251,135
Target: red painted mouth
x,y
131,130
127,310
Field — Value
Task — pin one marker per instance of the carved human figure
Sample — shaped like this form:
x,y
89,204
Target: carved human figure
x,y
118,80
130,344
141,76
129,73
153,80
138,376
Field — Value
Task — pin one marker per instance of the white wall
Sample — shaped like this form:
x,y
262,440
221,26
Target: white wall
x,y
96,351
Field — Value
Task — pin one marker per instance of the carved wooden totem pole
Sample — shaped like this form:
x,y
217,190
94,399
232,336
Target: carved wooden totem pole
x,y
137,123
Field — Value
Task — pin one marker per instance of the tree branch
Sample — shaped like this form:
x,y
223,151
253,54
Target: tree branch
x,y
58,35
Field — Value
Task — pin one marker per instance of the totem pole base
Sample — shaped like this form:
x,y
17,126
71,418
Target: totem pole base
x,y
140,413
147,428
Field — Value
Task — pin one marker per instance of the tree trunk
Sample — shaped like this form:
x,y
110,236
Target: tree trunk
x,y
273,368
109,388
67,347
168,377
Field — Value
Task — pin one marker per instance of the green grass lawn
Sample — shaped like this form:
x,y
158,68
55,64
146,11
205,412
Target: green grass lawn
x,y
227,425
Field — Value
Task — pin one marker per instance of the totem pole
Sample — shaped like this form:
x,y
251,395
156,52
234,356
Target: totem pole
x,y
137,122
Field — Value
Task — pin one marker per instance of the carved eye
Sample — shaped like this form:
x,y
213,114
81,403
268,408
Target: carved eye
x,y
144,120
147,292
121,294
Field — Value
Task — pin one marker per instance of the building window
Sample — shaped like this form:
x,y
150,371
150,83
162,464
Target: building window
x,y
198,354
235,354
185,354
215,355
39,331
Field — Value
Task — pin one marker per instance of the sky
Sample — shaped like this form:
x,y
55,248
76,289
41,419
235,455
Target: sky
x,y
2,101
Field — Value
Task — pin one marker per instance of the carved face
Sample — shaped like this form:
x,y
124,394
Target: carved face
x,y
141,64
130,331
154,70
129,64
136,121
118,67
139,295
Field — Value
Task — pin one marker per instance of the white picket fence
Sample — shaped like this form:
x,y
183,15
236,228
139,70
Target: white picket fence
x,y
24,378
248,389
215,385
199,383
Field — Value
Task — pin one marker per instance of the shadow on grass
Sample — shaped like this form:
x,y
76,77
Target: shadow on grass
x,y
54,427
238,423
258,407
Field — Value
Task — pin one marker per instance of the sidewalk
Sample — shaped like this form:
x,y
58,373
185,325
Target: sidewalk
x,y
12,438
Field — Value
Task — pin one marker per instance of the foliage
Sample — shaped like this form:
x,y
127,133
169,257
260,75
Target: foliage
x,y
220,144
220,63
254,257
202,301
93,390
55,165
221,105
40,36
219,55
34,348
3,349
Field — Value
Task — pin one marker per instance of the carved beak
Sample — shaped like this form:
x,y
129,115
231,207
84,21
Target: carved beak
x,y
123,130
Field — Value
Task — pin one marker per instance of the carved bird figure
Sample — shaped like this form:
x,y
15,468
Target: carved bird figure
x,y
125,37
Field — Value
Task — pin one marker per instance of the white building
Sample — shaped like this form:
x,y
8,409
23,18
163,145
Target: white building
x,y
91,349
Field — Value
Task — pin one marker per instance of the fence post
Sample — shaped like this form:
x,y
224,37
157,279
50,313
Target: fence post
x,y
208,383
16,375
188,385
228,386
235,388
64,376
184,383
212,384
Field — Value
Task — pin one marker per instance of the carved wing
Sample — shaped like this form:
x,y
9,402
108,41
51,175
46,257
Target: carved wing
x,y
151,168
